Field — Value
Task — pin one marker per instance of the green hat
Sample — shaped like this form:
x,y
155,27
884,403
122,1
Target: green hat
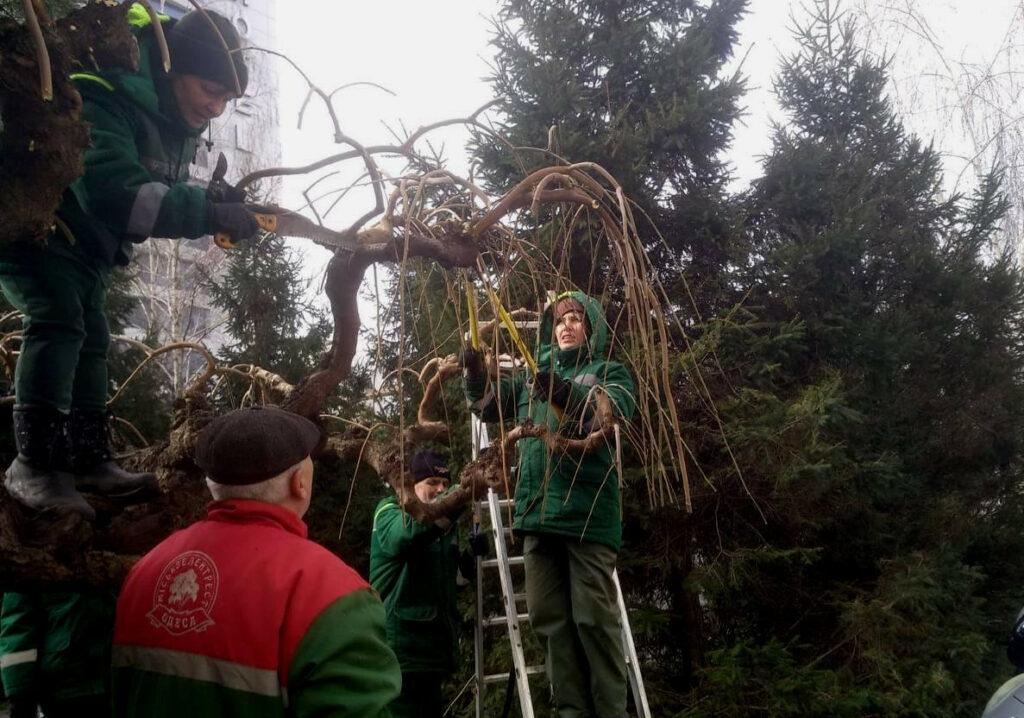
x,y
197,50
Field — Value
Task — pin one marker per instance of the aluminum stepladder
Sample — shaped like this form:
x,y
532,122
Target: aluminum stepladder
x,y
513,618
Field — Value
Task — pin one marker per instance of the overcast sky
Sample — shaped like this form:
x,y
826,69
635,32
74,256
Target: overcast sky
x,y
434,57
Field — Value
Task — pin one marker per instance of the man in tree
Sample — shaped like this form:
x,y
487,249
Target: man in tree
x,y
567,506
241,615
144,128
414,567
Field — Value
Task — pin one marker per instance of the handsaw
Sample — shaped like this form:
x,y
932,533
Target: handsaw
x,y
513,331
290,224
270,217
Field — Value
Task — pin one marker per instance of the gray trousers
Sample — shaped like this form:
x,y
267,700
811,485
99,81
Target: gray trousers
x,y
570,596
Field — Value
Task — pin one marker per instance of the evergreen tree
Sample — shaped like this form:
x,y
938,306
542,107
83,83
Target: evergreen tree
x,y
270,320
873,400
273,324
636,87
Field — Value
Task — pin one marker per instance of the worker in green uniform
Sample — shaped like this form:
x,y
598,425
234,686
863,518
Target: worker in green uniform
x,y
567,506
144,128
414,567
55,652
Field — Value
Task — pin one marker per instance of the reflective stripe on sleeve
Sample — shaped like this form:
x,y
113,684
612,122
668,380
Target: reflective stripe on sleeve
x,y
18,657
193,666
381,510
146,208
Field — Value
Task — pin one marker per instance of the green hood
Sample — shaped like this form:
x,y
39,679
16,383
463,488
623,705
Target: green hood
x,y
597,329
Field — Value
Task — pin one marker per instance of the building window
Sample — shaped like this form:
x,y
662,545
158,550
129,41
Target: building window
x,y
245,106
242,139
242,25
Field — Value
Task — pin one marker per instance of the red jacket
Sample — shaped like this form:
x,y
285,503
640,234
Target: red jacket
x,y
240,614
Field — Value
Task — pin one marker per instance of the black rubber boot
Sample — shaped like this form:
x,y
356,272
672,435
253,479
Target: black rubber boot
x,y
92,463
31,479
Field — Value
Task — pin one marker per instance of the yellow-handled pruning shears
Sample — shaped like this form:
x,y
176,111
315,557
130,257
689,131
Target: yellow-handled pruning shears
x,y
513,330
510,326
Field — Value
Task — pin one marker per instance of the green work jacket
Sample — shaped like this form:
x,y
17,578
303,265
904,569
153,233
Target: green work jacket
x,y
413,567
56,643
136,176
565,494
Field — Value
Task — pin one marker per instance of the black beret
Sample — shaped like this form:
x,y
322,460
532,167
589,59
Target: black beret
x,y
196,49
428,463
247,446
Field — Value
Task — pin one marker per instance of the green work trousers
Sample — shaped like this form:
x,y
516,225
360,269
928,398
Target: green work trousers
x,y
63,360
570,596
421,695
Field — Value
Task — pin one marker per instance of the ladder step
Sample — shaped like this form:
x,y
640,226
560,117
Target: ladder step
x,y
502,620
492,562
518,597
503,677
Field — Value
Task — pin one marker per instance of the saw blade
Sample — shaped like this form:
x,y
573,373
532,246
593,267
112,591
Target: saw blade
x,y
293,224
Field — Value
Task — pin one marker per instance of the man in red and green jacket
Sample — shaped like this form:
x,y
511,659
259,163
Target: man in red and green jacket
x,y
240,614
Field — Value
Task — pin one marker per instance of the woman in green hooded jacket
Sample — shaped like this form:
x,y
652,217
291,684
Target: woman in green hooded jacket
x,y
568,505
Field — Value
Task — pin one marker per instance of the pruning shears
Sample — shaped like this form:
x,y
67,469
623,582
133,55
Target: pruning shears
x,y
510,326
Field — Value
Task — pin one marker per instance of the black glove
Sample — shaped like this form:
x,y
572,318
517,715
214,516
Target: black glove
x,y
220,192
548,386
472,360
233,218
478,544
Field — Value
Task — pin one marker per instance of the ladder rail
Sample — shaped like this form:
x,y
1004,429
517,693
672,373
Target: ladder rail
x,y
478,440
511,611
511,599
636,679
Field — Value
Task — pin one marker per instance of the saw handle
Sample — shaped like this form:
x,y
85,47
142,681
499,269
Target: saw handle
x,y
267,222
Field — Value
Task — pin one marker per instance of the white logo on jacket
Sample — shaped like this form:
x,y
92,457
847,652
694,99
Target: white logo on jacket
x,y
185,593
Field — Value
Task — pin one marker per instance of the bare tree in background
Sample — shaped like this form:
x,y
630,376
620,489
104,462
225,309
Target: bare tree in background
x,y
968,103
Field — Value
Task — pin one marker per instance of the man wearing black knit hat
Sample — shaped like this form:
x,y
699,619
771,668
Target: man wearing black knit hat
x,y
414,567
240,614
144,129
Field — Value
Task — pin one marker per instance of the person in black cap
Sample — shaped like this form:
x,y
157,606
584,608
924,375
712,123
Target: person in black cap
x,y
240,614
143,127
414,567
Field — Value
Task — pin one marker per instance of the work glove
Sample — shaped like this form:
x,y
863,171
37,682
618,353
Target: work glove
x,y
478,544
553,388
472,360
221,192
232,218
